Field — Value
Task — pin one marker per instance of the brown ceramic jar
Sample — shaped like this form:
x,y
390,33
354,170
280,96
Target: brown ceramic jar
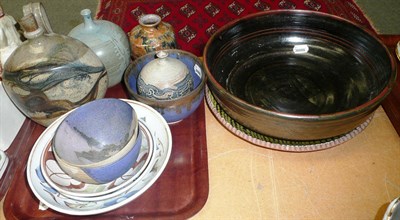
x,y
152,34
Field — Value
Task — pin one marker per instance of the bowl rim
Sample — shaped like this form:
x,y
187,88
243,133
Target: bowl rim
x,y
128,147
367,106
170,102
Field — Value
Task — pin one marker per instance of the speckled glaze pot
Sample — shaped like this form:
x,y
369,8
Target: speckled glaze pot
x,y
50,74
164,78
152,34
108,41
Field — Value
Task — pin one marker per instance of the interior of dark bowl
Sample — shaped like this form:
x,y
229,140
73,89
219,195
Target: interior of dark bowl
x,y
298,62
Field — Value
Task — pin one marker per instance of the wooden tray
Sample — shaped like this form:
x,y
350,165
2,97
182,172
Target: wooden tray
x,y
180,192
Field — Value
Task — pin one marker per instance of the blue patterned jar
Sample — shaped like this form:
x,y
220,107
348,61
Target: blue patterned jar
x,y
164,78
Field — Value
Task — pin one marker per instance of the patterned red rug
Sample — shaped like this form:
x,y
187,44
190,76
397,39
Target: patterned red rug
x,y
195,21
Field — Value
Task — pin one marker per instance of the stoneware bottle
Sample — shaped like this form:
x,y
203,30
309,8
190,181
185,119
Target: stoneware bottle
x,y
9,36
50,74
152,34
164,78
108,41
37,9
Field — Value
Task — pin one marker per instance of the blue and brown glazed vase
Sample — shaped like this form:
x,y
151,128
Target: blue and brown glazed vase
x,y
51,74
152,34
164,78
108,41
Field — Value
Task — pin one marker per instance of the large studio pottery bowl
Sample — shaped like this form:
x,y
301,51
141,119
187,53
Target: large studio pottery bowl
x,y
176,109
298,75
98,142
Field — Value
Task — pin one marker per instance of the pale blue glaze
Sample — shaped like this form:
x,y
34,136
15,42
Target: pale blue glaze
x,y
95,131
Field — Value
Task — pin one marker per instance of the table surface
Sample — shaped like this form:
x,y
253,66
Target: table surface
x,y
355,180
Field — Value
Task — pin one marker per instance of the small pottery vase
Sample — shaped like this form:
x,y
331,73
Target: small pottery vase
x,y
9,36
37,9
164,78
150,35
48,75
108,41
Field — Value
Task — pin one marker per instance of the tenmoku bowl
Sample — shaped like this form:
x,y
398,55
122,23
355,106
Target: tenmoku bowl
x,y
298,75
99,141
176,109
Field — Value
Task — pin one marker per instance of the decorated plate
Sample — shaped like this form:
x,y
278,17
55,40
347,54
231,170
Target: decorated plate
x,y
76,189
51,198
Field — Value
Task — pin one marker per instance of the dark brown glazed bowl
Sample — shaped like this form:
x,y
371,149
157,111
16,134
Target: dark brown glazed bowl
x,y
298,75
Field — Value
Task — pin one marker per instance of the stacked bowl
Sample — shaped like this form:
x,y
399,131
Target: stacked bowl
x,y
99,141
99,156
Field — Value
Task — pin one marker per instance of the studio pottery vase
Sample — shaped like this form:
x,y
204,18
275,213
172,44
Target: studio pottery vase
x,y
38,11
152,34
108,41
51,74
9,37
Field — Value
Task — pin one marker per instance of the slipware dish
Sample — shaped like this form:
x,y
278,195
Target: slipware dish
x,y
51,198
75,189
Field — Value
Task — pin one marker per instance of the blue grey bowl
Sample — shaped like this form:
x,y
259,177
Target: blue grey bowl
x,y
177,109
98,141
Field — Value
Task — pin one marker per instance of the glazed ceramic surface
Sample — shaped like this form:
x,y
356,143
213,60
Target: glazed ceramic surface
x,y
263,140
3,163
82,191
108,41
37,9
393,210
107,170
48,75
10,39
177,109
98,141
150,35
48,196
298,75
164,78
